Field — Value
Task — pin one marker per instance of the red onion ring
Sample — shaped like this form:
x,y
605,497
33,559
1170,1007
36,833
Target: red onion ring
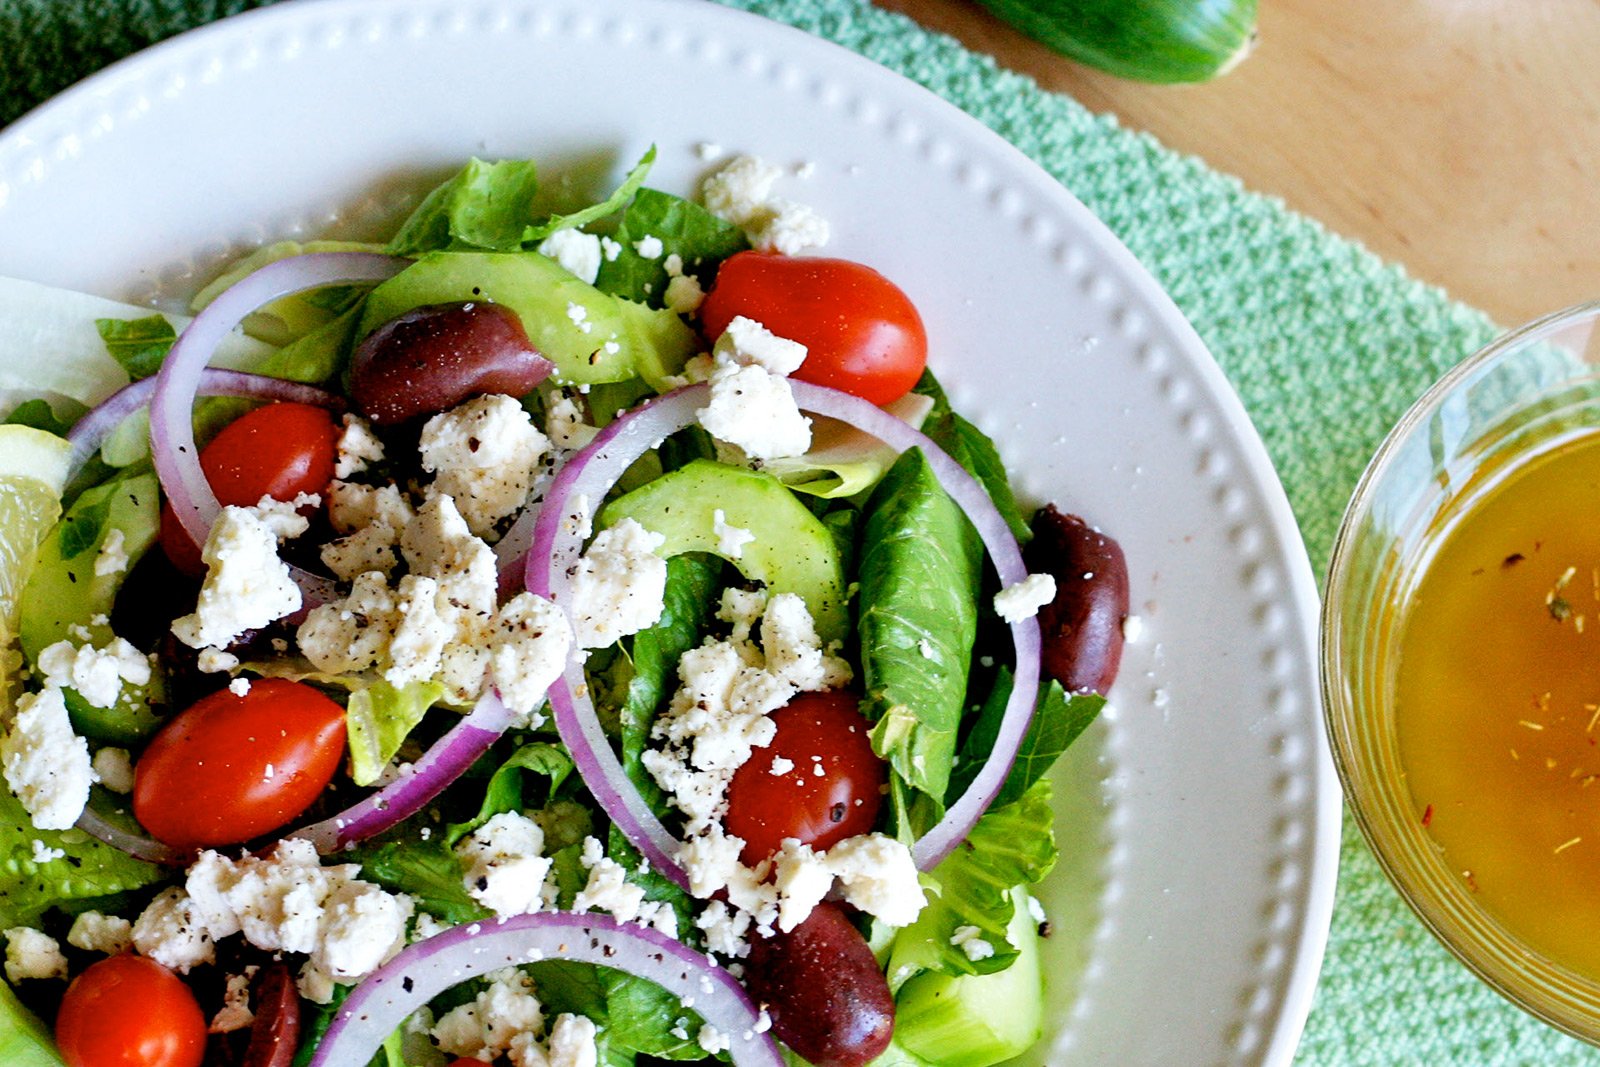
x,y
91,431
388,996
556,545
139,846
442,764
172,446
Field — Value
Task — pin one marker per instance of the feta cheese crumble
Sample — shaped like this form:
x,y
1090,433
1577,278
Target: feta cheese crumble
x,y
95,674
484,455
504,866
33,954
1022,600
741,192
246,586
45,763
747,342
617,585
106,934
754,410
578,253
969,939
730,539
113,555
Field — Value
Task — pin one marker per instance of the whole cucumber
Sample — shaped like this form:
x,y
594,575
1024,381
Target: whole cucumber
x,y
1146,40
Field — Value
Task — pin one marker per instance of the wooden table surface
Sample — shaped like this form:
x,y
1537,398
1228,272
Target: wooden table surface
x,y
1460,138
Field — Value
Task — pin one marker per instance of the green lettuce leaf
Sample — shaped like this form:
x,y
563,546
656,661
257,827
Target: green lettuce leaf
x,y
24,1040
42,416
636,1017
610,205
1057,722
919,576
427,870
138,344
486,205
971,447
1010,846
377,721
87,867
506,789
684,228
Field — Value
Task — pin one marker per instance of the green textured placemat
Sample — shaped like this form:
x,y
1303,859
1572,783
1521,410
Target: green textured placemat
x,y
1326,344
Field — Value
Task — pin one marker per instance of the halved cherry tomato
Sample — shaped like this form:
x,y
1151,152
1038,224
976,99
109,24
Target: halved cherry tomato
x,y
128,1011
230,768
279,450
862,333
815,730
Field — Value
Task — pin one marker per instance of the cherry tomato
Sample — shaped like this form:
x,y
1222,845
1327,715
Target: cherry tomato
x,y
231,768
278,450
862,334
815,730
127,1011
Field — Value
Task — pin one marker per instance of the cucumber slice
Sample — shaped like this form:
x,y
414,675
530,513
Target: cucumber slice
x,y
1146,40
793,552
24,1041
980,1019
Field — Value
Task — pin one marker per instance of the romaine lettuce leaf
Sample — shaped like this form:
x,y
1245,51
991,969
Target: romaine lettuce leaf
x,y
138,344
684,228
505,791
1010,846
919,577
87,867
377,720
971,447
610,205
427,870
486,205
1057,722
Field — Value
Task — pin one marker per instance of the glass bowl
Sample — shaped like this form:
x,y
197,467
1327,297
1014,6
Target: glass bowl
x,y
1527,393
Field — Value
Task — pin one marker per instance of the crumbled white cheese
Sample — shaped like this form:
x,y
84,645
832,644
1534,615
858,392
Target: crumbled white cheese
x,y
371,548
358,447
419,639
756,411
353,506
528,650
877,875
1132,629
969,939
484,454
43,853
113,555
352,634
609,249
287,901
45,763
747,342
712,1040
32,954
578,252
608,888
730,539
485,1026
1022,600
239,687
95,674
572,1044
649,247
172,931
1036,909
803,878
617,585
503,864
216,661
246,587
235,1013
725,929
684,295
106,934
285,518
780,766
566,426
742,193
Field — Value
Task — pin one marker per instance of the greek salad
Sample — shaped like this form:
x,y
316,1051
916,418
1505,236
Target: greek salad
x,y
567,633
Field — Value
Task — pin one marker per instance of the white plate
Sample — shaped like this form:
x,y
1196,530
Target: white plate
x,y
1201,819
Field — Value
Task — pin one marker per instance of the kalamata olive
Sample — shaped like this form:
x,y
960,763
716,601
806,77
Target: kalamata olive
x,y
1082,627
275,1034
432,358
822,987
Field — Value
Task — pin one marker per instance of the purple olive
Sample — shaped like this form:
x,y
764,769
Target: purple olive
x,y
1082,626
275,1034
432,358
828,1000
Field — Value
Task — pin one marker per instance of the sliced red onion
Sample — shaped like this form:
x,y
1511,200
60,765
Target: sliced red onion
x,y
172,445
391,994
590,474
442,764
138,845
91,431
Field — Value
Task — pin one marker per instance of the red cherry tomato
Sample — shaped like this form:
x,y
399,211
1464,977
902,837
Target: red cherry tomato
x,y
862,334
279,450
231,768
815,730
127,1011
